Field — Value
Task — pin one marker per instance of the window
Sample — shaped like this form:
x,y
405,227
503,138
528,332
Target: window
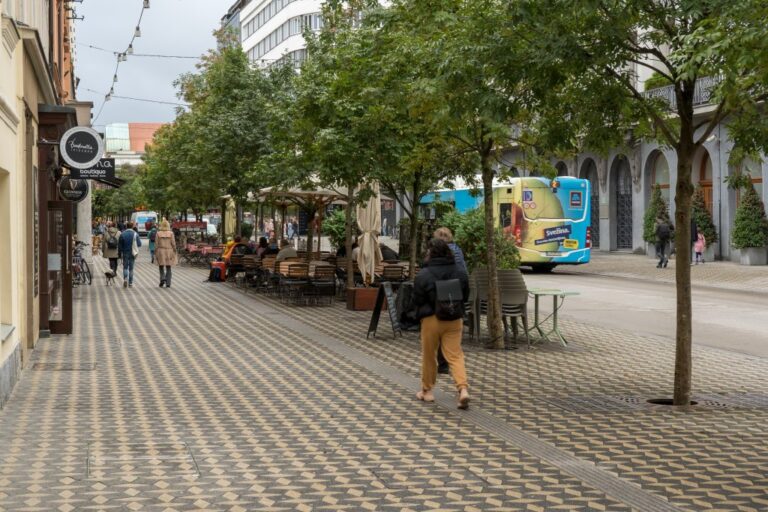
x,y
292,27
705,180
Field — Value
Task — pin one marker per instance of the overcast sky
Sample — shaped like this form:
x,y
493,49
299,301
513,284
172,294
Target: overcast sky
x,y
169,27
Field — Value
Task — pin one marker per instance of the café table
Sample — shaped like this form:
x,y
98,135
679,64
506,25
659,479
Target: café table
x,y
538,325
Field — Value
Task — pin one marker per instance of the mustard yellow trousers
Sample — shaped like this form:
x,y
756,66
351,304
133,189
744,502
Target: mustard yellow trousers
x,y
436,333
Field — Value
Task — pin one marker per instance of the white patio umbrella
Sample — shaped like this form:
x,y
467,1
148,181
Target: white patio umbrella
x,y
369,221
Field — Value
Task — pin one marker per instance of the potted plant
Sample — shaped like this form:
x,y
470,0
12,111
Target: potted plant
x,y
704,223
657,208
750,228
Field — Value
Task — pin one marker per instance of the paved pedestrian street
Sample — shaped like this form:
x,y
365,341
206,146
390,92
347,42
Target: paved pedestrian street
x,y
201,397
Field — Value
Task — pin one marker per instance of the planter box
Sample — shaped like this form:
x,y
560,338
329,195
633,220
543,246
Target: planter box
x,y
754,256
361,299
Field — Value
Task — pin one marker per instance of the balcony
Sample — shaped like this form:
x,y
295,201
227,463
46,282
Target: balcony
x,y
701,95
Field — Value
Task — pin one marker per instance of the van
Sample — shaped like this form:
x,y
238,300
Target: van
x,y
140,220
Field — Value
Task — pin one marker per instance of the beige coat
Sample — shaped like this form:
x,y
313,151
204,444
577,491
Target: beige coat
x,y
165,249
106,251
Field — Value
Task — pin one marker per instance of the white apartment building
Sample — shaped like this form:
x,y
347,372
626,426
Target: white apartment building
x,y
272,30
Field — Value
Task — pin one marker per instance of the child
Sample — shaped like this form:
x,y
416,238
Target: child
x,y
700,246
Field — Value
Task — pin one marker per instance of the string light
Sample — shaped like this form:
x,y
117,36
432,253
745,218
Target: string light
x,y
122,57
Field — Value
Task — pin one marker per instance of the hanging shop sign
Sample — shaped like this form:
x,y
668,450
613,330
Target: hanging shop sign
x,y
103,170
81,147
73,190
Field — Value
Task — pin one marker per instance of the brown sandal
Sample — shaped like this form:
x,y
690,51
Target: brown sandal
x,y
425,395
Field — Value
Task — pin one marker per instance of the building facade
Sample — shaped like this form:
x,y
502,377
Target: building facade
x,y
127,142
623,180
36,82
272,30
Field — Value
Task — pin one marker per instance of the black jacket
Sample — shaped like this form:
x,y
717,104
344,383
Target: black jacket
x,y
439,269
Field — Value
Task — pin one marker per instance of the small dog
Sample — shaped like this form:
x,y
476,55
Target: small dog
x,y
110,277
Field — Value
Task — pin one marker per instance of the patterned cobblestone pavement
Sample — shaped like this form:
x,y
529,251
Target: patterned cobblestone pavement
x,y
717,274
203,398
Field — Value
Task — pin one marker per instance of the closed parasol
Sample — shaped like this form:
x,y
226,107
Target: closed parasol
x,y
369,222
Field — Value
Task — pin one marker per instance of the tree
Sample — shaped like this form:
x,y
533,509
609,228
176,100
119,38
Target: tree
x,y
319,131
657,209
230,106
750,227
704,222
447,49
581,58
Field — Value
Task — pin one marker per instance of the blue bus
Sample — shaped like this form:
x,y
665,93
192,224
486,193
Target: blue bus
x,y
549,220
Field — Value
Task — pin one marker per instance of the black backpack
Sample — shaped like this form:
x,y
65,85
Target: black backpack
x,y
112,241
663,231
214,276
449,300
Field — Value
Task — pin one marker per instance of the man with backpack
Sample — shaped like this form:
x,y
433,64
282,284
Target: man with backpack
x,y
110,246
129,244
439,292
663,236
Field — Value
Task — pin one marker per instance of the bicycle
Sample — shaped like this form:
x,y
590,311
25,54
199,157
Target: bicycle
x,y
81,273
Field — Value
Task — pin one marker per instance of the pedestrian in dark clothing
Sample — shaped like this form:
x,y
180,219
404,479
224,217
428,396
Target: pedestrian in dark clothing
x,y
130,241
663,236
436,332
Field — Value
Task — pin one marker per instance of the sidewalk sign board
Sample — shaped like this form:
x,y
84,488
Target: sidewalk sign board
x,y
385,293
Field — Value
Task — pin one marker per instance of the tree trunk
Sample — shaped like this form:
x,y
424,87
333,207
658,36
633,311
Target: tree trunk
x,y
348,235
320,231
495,327
683,194
414,230
238,220
310,235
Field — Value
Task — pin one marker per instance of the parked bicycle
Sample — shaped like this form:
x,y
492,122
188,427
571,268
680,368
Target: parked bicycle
x,y
81,273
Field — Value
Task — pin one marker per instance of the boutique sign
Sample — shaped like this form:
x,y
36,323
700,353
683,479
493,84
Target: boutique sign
x,y
103,170
81,147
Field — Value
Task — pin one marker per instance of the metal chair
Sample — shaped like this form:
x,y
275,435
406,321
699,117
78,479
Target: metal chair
x,y
294,281
513,295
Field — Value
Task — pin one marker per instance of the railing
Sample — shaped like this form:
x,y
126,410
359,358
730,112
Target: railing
x,y
701,94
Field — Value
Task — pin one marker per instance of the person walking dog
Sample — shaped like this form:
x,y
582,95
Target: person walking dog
x,y
439,292
130,241
110,246
165,253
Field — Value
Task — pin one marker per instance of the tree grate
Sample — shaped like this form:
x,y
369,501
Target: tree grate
x,y
64,367
585,404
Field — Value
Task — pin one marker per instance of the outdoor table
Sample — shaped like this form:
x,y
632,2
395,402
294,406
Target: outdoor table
x,y
538,324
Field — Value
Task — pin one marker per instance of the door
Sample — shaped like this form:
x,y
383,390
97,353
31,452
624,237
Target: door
x,y
594,203
624,208
60,266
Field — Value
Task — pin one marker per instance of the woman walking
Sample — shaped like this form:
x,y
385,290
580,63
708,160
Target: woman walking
x,y
165,253
439,292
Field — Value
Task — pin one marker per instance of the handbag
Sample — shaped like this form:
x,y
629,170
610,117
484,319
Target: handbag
x,y
134,247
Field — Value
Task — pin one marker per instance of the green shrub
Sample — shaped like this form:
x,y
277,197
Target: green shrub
x,y
750,227
246,230
704,223
655,81
469,233
334,227
657,208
